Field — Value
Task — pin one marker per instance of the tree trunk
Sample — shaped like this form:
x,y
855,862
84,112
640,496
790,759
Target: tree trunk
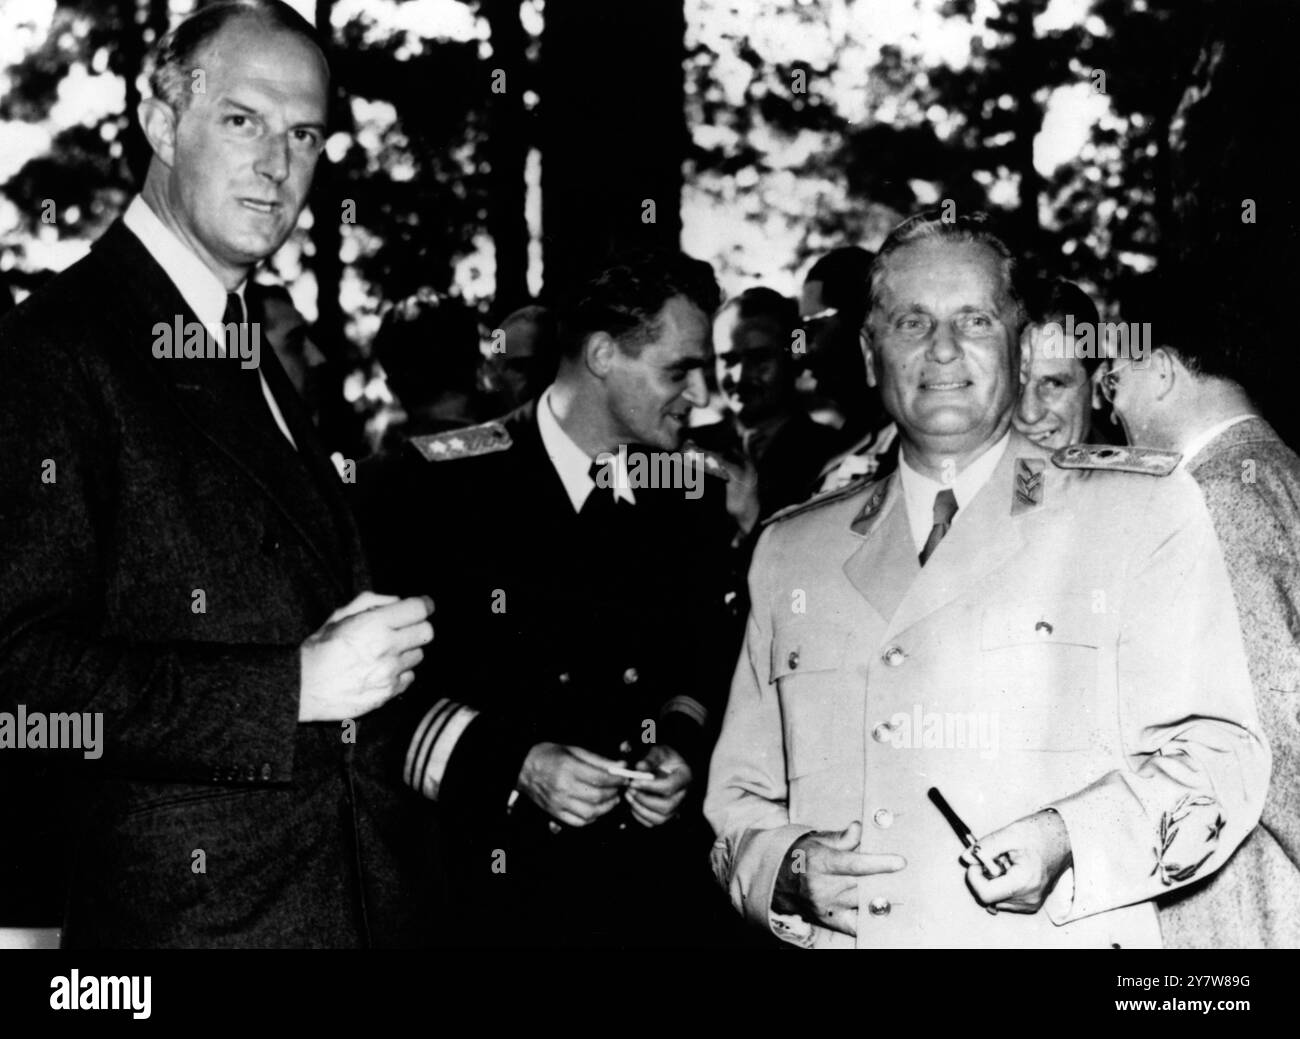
x,y
614,131
327,211
507,152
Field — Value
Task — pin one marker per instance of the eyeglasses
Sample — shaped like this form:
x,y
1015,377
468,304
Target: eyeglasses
x,y
1110,380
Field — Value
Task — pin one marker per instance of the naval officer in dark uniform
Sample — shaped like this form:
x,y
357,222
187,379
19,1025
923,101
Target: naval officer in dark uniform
x,y
578,561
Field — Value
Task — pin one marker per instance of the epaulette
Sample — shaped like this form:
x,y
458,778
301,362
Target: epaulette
x,y
818,500
712,462
1147,460
469,442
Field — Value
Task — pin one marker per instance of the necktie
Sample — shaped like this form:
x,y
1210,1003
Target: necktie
x,y
233,315
945,508
600,504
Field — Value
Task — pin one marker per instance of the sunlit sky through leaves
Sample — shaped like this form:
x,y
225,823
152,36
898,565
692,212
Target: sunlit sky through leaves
x,y
750,241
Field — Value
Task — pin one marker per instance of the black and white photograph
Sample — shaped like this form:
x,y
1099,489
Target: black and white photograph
x,y
603,480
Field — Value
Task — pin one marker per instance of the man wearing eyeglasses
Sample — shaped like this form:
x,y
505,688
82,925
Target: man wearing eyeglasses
x,y
1082,701
1188,397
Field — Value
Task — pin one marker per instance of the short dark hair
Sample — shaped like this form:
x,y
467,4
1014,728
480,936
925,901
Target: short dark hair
x,y
762,302
625,298
937,225
429,344
176,53
1052,300
844,274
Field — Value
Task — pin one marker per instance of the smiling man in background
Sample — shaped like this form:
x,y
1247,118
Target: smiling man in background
x,y
1059,400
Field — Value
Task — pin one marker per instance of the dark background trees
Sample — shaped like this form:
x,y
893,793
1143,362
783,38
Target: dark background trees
x,y
497,147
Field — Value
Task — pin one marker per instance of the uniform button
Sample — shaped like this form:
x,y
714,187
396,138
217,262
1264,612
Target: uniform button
x,y
554,827
883,818
630,676
625,747
894,656
622,826
564,678
267,772
882,732
879,906
1043,628
792,661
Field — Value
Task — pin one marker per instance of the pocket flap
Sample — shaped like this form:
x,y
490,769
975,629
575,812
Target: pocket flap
x,y
1067,622
800,648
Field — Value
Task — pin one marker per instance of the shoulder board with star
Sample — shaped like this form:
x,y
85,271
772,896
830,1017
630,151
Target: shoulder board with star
x,y
712,462
1146,460
463,443
818,500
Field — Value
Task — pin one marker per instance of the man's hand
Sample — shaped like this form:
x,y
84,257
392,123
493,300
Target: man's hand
x,y
819,877
363,656
655,801
570,784
1033,852
742,492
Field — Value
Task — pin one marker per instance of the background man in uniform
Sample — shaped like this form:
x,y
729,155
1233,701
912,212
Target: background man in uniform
x,y
959,626
1187,397
178,554
581,627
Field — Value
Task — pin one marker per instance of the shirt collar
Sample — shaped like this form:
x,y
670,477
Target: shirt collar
x,y
198,286
919,491
572,463
1199,442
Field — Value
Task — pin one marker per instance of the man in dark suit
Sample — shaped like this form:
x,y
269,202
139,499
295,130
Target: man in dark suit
x,y
577,559
777,451
179,561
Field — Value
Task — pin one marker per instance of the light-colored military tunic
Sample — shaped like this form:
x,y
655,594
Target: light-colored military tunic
x,y
1071,643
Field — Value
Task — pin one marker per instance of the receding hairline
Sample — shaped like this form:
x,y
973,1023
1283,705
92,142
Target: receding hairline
x,y
169,70
1006,297
267,29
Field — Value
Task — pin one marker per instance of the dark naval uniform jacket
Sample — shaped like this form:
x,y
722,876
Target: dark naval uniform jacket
x,y
553,626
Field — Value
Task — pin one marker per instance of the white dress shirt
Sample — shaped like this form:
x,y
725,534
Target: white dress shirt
x,y
572,463
198,286
1199,442
919,491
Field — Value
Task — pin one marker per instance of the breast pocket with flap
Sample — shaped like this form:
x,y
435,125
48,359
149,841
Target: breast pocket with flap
x,y
820,695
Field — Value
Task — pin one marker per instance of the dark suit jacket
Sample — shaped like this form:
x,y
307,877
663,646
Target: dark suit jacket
x,y
213,818
559,627
1251,484
791,462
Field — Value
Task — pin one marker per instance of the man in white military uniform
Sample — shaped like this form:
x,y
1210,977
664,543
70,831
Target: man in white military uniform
x,y
1056,650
